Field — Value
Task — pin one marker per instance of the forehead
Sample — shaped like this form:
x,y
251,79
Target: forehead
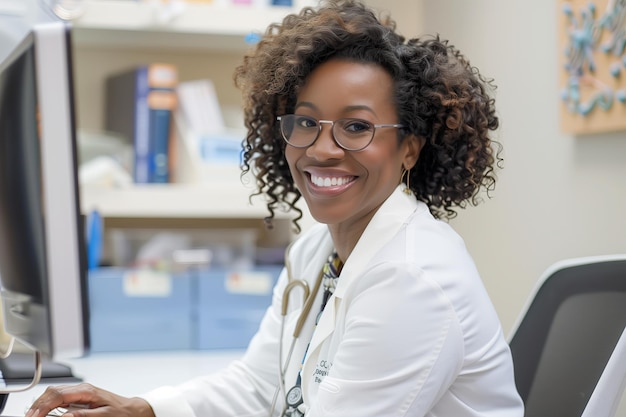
x,y
340,84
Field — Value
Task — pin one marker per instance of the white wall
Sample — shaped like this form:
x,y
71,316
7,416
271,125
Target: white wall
x,y
559,196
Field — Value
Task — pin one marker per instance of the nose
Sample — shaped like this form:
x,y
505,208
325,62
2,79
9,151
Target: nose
x,y
325,146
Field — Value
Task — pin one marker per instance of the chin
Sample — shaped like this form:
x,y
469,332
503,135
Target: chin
x,y
331,214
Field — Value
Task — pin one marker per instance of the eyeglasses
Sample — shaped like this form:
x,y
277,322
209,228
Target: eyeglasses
x,y
350,134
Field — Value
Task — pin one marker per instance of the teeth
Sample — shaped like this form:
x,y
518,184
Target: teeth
x,y
329,181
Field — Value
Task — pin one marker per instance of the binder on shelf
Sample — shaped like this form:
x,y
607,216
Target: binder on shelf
x,y
139,105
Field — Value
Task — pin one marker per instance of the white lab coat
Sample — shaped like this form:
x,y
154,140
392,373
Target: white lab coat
x,y
409,331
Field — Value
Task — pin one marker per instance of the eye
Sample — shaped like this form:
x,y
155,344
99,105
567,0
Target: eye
x,y
356,126
305,122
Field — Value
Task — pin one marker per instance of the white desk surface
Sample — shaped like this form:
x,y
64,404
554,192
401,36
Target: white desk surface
x,y
132,373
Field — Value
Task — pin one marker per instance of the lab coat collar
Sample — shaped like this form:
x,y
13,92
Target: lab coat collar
x,y
385,224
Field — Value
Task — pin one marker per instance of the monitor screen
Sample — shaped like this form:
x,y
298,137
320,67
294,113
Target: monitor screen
x,y
42,254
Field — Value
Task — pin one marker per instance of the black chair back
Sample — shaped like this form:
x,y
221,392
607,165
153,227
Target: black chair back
x,y
567,334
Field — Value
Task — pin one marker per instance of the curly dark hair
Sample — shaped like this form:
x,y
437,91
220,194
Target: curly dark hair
x,y
439,97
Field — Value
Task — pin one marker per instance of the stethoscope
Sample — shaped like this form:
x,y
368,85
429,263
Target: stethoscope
x,y
309,298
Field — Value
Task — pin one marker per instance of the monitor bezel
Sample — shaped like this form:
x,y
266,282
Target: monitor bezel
x,y
58,327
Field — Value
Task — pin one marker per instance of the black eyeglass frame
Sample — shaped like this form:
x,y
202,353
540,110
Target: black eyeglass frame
x,y
332,130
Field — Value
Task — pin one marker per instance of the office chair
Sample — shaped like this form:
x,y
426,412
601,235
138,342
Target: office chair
x,y
569,344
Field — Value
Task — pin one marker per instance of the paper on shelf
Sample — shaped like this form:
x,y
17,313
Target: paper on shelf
x,y
206,158
199,106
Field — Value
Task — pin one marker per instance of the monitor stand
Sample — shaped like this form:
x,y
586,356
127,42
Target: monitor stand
x,y
18,368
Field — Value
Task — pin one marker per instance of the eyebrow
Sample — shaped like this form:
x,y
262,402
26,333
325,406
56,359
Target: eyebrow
x,y
346,109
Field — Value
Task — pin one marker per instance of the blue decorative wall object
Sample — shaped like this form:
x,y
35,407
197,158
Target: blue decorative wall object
x,y
592,65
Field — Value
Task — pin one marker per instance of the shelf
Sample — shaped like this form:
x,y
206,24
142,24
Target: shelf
x,y
222,195
181,201
218,200
125,23
124,26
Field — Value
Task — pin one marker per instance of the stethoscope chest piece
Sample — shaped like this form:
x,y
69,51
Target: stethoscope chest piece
x,y
294,400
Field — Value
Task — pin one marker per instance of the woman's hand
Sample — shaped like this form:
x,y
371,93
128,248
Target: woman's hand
x,y
85,400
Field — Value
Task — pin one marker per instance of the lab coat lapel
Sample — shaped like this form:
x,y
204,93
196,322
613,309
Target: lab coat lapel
x,y
382,228
384,225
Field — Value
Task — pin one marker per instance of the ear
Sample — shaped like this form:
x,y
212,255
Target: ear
x,y
412,146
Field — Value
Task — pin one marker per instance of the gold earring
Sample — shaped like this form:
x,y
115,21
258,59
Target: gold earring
x,y
407,189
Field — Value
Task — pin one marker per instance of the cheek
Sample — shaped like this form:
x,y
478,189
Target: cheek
x,y
385,168
383,159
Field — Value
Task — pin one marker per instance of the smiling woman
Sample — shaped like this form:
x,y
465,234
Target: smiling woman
x,y
437,97
381,136
344,188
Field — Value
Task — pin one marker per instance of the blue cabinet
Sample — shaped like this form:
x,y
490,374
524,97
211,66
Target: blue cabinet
x,y
142,310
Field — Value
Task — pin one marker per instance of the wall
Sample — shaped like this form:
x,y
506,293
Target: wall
x,y
407,14
559,196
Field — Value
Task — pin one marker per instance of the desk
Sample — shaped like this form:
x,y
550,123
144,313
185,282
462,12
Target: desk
x,y
132,373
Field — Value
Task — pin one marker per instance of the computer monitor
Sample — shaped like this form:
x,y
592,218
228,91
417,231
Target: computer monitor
x,y
42,252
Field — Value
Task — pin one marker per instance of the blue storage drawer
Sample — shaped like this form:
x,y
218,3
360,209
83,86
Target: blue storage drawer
x,y
231,305
132,310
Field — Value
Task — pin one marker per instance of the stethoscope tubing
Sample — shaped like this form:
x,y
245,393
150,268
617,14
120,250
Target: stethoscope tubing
x,y
309,298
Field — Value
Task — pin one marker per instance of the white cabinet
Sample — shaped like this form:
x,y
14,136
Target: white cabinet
x,y
204,41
